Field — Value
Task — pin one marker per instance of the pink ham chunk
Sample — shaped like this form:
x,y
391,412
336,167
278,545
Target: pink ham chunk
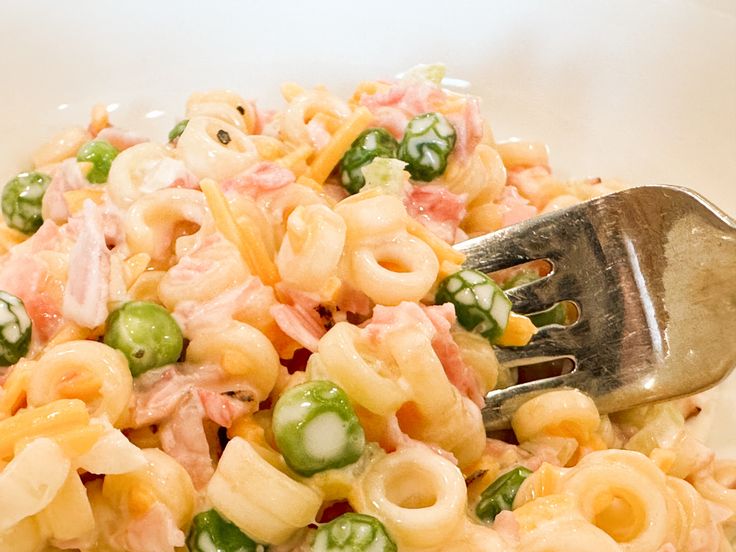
x,y
515,208
158,394
413,99
155,531
25,276
181,399
437,208
183,438
67,177
468,125
299,318
507,527
435,322
459,374
261,177
88,285
393,109
222,408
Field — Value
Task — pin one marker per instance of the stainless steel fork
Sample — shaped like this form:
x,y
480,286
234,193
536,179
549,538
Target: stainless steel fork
x,y
652,271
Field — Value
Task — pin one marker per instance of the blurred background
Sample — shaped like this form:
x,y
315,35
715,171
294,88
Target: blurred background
x,y
639,89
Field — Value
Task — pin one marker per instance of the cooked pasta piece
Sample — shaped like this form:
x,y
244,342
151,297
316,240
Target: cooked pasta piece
x,y
418,495
311,249
241,350
368,381
565,413
622,493
156,222
251,493
225,105
85,370
142,169
162,480
212,148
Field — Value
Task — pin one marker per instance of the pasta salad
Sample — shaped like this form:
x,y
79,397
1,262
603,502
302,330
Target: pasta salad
x,y
258,336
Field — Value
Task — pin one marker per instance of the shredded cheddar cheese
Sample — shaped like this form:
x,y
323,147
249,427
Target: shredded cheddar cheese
x,y
519,331
243,236
329,156
48,420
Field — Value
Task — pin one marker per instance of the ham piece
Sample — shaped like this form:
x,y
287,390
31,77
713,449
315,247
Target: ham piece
x,y
437,208
88,286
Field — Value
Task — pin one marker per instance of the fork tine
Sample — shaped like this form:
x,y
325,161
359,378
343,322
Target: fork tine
x,y
513,245
500,404
540,294
548,344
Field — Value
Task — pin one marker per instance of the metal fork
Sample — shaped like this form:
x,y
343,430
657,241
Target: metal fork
x,y
652,271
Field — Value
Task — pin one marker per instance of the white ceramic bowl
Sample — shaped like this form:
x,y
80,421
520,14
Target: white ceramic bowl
x,y
641,90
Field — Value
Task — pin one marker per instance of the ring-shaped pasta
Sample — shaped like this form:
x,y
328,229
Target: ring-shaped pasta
x,y
129,169
718,487
389,272
478,355
162,480
626,503
157,220
280,203
370,383
568,536
225,105
690,517
418,495
477,538
523,153
265,503
201,276
482,176
373,216
447,418
61,146
628,458
211,148
566,412
220,111
86,370
312,247
303,108
240,350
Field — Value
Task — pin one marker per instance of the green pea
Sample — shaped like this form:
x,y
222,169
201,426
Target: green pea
x,y
500,494
21,201
15,329
553,315
101,154
316,428
353,532
146,334
428,141
481,305
210,532
371,143
521,278
178,129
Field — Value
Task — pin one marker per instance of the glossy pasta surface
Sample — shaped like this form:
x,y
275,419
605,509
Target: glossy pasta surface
x,y
298,261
